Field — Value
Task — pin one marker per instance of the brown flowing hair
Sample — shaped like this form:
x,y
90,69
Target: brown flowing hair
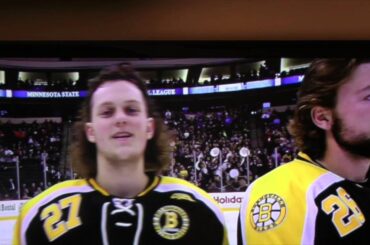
x,y
319,88
83,153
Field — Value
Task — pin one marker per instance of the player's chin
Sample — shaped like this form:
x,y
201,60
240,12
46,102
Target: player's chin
x,y
130,153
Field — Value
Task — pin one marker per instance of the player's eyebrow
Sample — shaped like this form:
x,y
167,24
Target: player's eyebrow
x,y
108,103
367,88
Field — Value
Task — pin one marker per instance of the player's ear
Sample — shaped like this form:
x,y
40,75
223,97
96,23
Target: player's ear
x,y
322,117
90,133
150,128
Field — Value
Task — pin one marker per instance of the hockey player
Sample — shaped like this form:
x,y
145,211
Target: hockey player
x,y
120,149
322,196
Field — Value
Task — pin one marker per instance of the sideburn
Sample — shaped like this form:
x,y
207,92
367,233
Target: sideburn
x,y
359,146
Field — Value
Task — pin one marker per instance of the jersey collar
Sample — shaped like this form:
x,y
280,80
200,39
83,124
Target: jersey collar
x,y
153,182
306,158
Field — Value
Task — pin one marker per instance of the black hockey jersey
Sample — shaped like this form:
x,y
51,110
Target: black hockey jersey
x,y
169,211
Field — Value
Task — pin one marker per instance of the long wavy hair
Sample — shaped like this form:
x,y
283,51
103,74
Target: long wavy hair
x,y
83,154
319,88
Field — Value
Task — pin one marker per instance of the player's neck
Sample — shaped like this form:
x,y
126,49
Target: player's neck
x,y
123,180
345,164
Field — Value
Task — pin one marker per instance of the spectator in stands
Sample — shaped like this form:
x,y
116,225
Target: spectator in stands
x,y
242,184
204,129
226,127
12,188
25,193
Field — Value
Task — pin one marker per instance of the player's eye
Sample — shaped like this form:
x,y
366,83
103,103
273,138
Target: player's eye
x,y
106,112
132,110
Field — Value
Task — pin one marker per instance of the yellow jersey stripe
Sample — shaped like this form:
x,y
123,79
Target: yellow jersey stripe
x,y
151,187
98,187
104,192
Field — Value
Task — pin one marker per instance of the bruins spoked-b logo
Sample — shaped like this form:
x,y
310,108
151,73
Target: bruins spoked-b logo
x,y
171,222
268,212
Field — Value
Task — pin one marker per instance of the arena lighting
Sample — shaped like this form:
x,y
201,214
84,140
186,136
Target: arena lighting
x,y
210,89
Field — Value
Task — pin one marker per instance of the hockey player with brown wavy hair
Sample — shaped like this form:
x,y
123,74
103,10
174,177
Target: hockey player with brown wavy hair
x,y
119,150
322,196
